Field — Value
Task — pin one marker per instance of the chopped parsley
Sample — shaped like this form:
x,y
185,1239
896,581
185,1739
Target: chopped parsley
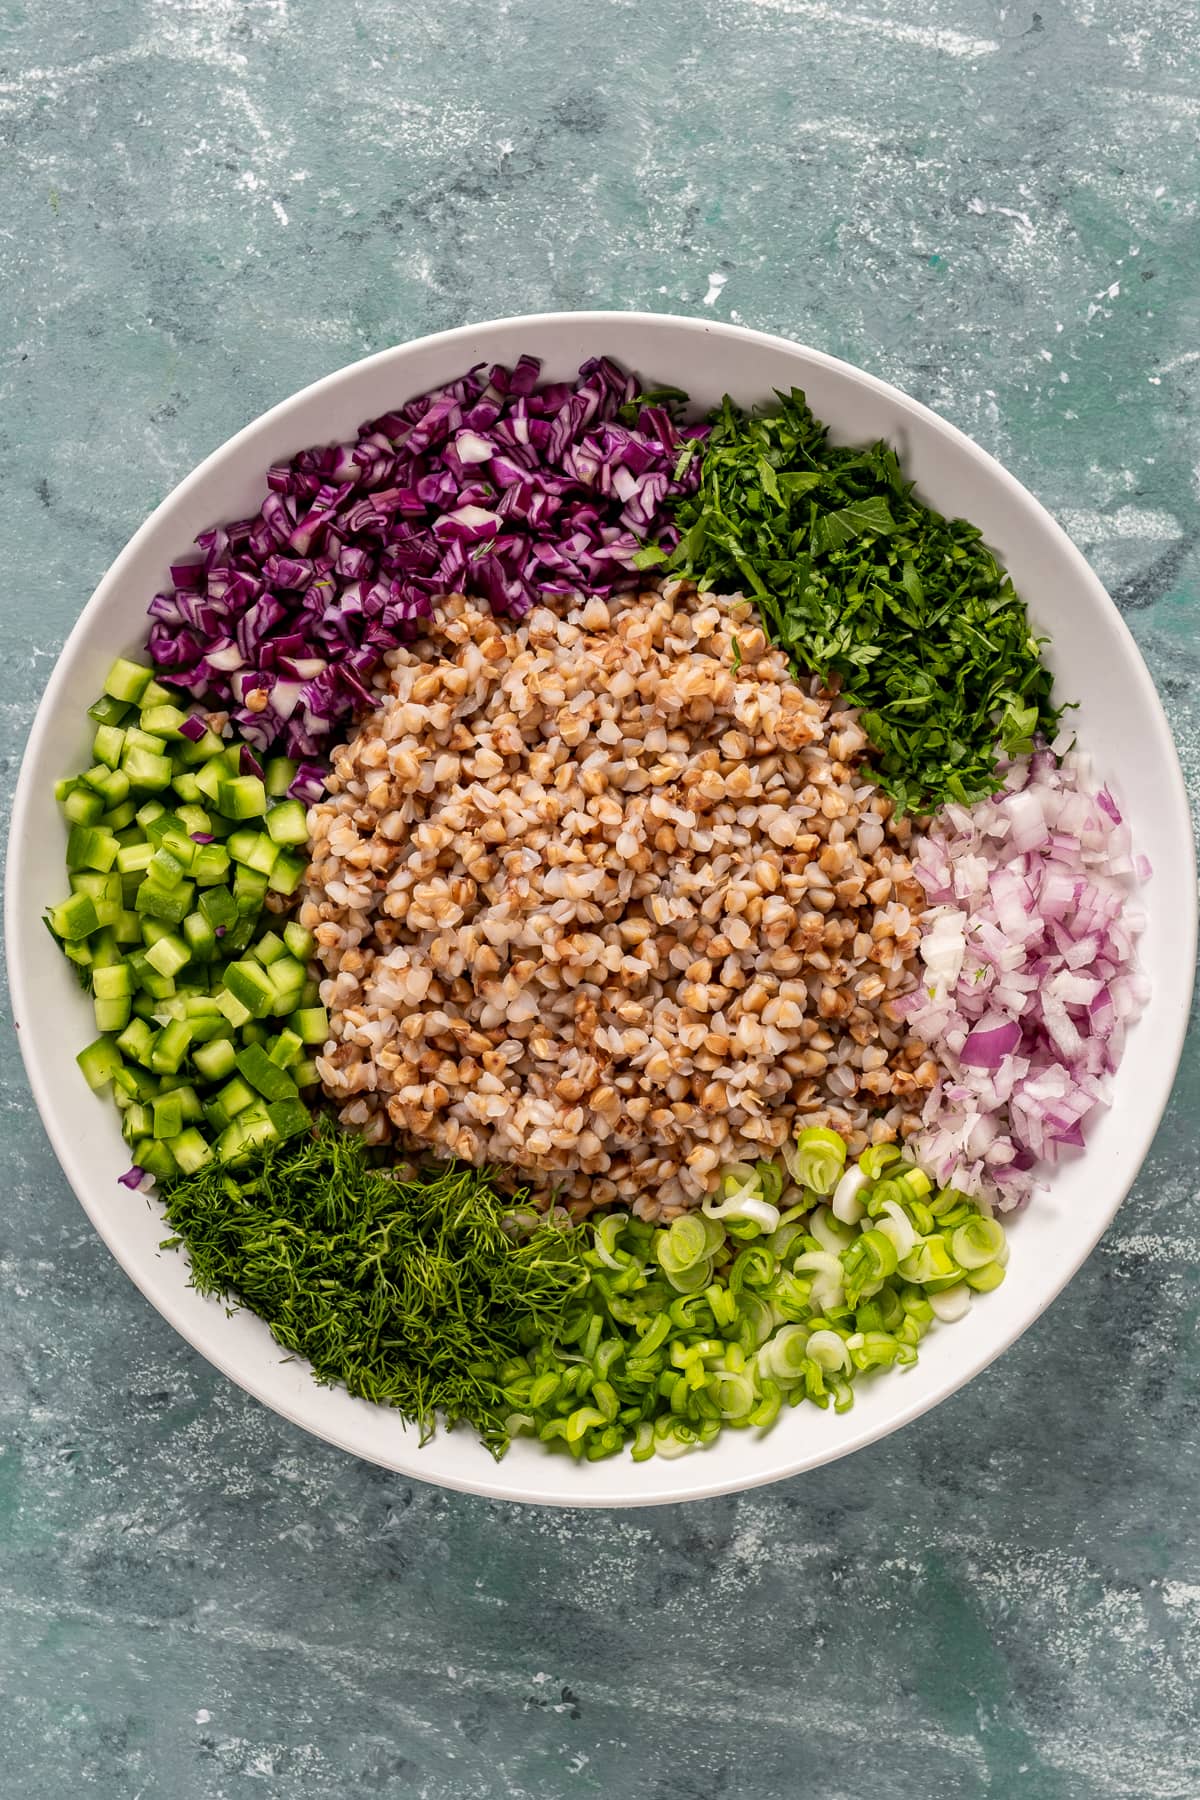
x,y
855,578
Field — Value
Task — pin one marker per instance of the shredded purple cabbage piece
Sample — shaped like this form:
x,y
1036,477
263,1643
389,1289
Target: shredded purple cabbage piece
x,y
495,486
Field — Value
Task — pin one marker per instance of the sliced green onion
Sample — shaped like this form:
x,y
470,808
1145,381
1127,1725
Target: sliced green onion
x,y
982,1281
875,1160
894,1223
828,1233
977,1242
828,1272
846,1204
951,1303
819,1160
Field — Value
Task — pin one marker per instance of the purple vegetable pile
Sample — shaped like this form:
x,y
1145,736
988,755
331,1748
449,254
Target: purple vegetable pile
x,y
493,485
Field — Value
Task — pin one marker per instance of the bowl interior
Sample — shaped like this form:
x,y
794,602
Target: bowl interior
x,y
1095,662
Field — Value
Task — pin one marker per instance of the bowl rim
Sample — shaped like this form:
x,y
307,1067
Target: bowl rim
x,y
492,1482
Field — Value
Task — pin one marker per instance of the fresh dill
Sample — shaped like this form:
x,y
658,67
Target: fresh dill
x,y
414,1292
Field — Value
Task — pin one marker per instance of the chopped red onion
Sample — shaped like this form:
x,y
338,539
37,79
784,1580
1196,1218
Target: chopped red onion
x,y
1030,976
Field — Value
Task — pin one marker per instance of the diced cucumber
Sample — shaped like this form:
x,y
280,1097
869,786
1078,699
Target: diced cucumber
x,y
311,1024
286,1049
137,1041
305,1074
270,1080
83,806
103,944
253,850
156,1158
171,1047
210,864
169,955
289,1117
247,1133
118,820
287,979
127,927
219,907
232,1008
146,769
200,937
300,942
108,744
244,797
126,681
96,883
249,983
168,1116
138,1121
280,773
91,847
216,1059
287,873
74,918
269,948
209,779
107,711
99,1063
201,751
165,867
229,1101
172,904
287,823
185,785
163,720
190,1151
249,889
112,1015
112,982
155,694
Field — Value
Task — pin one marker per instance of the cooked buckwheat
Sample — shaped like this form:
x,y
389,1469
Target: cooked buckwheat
x,y
608,897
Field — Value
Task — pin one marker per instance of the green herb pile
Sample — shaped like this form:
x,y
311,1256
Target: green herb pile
x,y
854,577
408,1292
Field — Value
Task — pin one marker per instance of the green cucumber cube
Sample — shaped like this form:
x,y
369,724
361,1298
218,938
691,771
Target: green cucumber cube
x,y
244,797
190,1151
311,1024
250,984
287,823
168,1116
74,918
289,1117
126,681
300,942
99,1063
270,1080
287,873
216,1059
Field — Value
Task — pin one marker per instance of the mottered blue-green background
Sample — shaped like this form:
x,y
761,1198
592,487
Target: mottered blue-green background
x,y
208,203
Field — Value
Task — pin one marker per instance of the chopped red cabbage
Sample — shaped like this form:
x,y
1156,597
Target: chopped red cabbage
x,y
494,485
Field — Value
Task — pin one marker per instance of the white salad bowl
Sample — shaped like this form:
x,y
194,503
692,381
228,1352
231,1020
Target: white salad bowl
x,y
1095,662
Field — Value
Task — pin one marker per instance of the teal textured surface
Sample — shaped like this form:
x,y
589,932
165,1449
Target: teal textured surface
x,y
212,203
